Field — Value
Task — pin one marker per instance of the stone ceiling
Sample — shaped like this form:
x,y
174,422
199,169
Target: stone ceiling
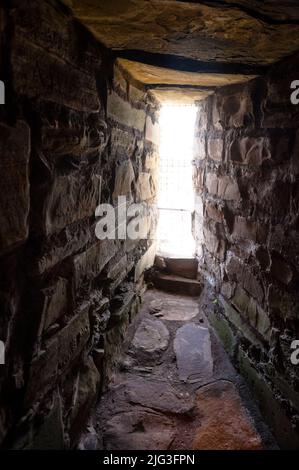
x,y
210,39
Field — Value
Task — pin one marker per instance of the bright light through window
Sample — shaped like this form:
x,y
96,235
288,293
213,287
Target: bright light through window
x,y
176,197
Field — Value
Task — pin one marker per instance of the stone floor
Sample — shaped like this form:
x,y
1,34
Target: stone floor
x,y
175,387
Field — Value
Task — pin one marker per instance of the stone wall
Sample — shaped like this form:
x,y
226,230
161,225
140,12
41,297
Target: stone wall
x,y
74,133
246,227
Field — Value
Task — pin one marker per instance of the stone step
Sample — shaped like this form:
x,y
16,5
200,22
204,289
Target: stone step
x,y
177,284
185,267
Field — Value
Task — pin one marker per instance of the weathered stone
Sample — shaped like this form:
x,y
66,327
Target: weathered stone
x,y
263,324
240,273
199,148
250,151
50,435
55,301
244,228
151,337
40,74
185,267
152,131
198,178
281,270
56,356
228,189
123,112
225,423
71,198
15,201
232,109
151,161
137,96
224,34
139,430
123,180
145,188
215,149
192,346
64,140
144,392
146,261
122,143
177,284
213,211
89,264
214,244
85,396
224,187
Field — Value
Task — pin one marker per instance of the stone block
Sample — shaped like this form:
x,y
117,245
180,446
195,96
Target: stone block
x,y
213,211
212,183
214,244
115,268
56,356
237,271
15,197
72,197
222,186
55,302
263,324
145,188
146,261
269,404
249,151
233,108
38,73
152,131
198,178
215,149
137,96
241,301
281,270
74,139
123,112
85,397
50,434
244,229
55,249
202,119
228,189
151,161
124,178
89,264
199,149
122,142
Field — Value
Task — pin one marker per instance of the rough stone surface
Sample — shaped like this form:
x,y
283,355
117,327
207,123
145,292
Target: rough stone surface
x,y
192,346
151,337
222,34
248,250
225,425
139,430
72,137
14,149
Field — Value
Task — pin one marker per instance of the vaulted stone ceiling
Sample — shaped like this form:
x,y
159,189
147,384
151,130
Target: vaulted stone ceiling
x,y
222,37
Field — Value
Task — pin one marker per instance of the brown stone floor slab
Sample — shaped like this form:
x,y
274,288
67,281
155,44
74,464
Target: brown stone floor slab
x,y
224,423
